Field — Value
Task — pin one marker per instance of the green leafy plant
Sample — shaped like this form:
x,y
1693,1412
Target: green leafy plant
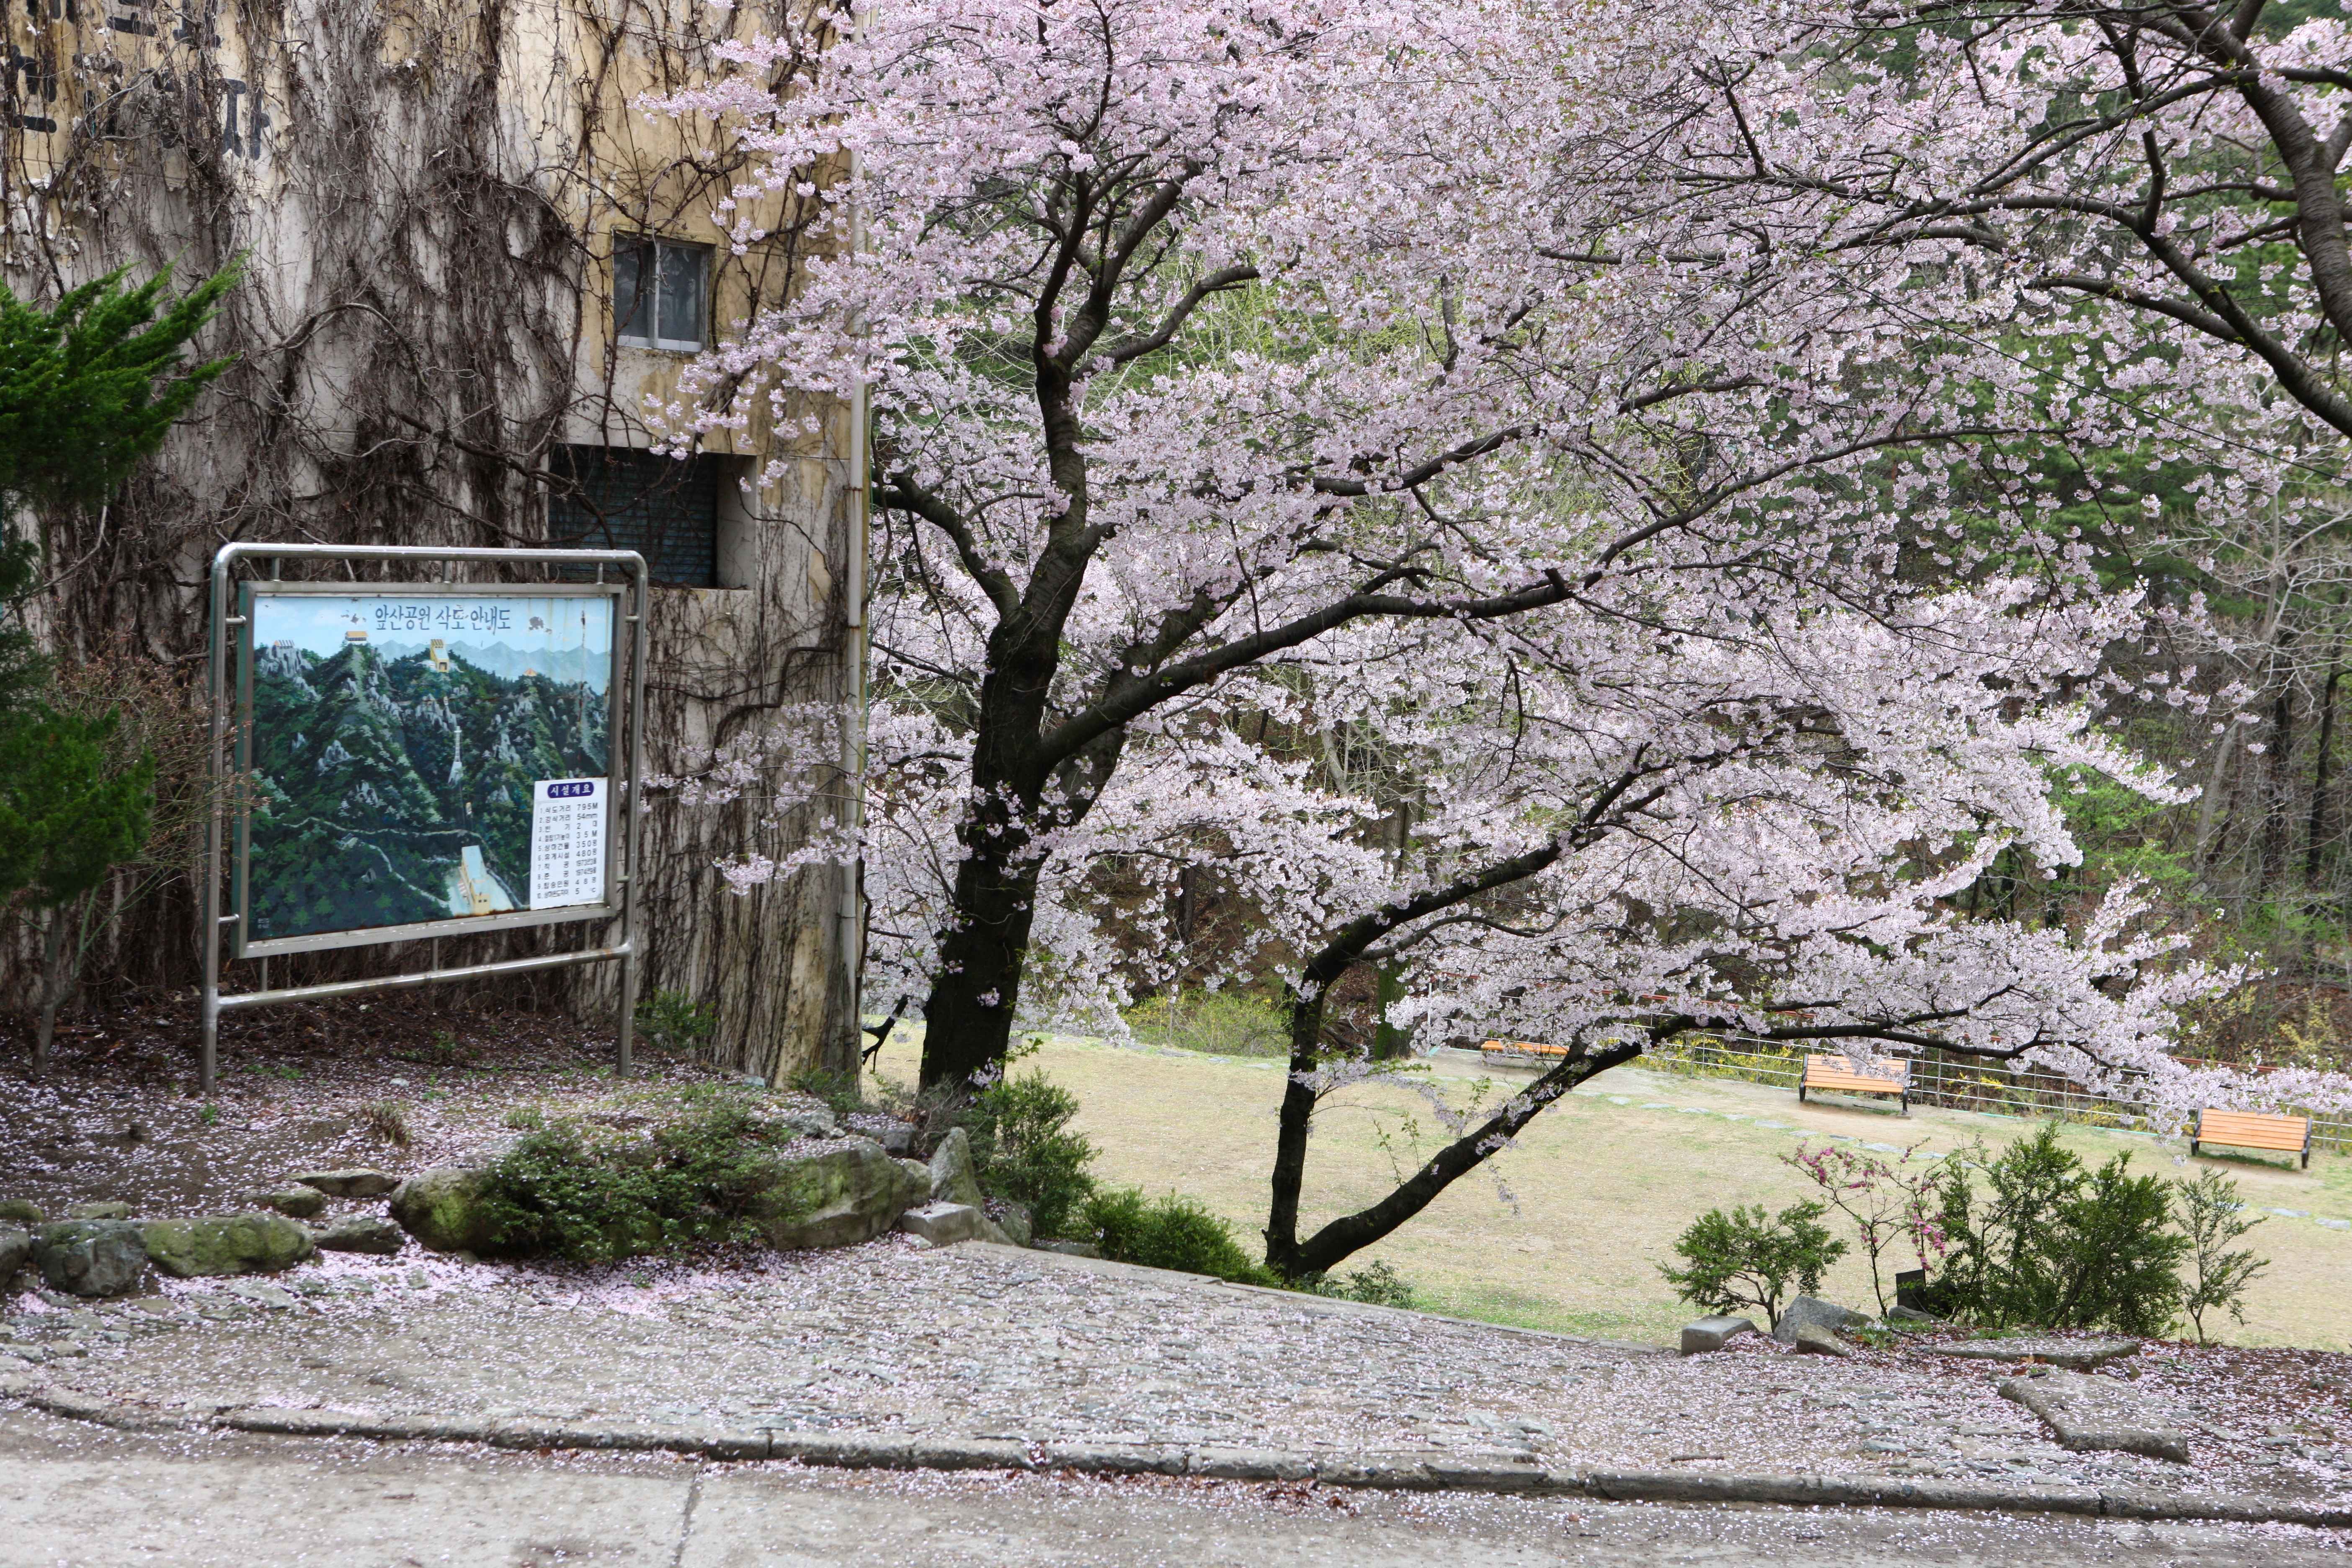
x,y
674,1023
2049,1245
388,1120
2213,1217
1375,1284
526,1119
1745,1258
1169,1232
1023,1149
89,387
1229,1023
559,1192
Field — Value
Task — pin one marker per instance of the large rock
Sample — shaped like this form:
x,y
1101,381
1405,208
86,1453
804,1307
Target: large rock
x,y
109,1209
953,1179
842,1196
362,1232
92,1257
1811,1339
16,1252
1712,1334
226,1243
943,1224
2099,1414
1019,1228
352,1183
443,1208
296,1199
1813,1312
895,1136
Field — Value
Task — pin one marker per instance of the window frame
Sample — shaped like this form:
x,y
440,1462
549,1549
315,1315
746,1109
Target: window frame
x,y
650,291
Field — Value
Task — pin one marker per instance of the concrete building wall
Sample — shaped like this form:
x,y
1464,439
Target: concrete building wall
x,y
426,197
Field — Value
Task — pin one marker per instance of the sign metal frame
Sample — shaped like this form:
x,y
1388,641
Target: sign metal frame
x,y
229,759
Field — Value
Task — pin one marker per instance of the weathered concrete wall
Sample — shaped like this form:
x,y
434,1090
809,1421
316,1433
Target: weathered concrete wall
x,y
424,193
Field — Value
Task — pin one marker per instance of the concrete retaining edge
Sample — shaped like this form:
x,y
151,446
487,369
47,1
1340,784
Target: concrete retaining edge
x,y
1420,1472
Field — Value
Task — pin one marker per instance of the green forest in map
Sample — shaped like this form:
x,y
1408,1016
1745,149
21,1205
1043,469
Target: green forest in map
x,y
376,771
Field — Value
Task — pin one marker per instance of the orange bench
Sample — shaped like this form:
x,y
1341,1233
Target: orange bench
x,y
1836,1074
1520,1048
2255,1130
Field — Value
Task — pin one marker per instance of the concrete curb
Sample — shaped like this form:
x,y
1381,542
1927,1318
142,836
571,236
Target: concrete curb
x,y
1416,1472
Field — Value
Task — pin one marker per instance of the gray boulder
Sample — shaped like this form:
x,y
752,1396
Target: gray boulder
x,y
443,1208
226,1243
1811,1339
20,1212
1911,1320
16,1252
838,1198
1712,1334
953,1178
352,1183
1018,1227
92,1257
1811,1310
299,1201
362,1232
108,1210
943,1224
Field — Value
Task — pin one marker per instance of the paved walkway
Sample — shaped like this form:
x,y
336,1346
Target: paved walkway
x,y
73,1496
893,1340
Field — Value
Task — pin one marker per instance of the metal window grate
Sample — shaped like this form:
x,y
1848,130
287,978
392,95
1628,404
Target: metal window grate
x,y
618,498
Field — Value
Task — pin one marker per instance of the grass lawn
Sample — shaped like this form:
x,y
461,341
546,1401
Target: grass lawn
x,y
1600,1184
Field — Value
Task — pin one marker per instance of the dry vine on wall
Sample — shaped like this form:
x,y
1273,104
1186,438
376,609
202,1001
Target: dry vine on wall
x,y
422,194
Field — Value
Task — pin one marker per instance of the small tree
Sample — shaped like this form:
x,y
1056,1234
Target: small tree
x,y
2213,1215
1744,1260
87,388
1888,1203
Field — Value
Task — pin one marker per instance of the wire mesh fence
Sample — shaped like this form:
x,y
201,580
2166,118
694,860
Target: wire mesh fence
x,y
1938,1079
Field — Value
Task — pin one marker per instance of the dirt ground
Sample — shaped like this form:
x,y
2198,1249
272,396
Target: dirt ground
x,y
1589,1202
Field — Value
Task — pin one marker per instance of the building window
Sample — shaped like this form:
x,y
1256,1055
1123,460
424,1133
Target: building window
x,y
664,508
661,290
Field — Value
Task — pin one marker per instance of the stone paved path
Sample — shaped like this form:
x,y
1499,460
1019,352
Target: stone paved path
x,y
894,1339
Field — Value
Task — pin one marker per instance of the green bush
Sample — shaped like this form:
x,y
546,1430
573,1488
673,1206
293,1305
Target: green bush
x,y
1375,1284
2048,1245
1169,1232
1023,1149
674,1024
557,1193
1745,1258
1229,1023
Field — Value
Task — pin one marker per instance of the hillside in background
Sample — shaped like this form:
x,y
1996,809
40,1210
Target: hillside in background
x,y
373,772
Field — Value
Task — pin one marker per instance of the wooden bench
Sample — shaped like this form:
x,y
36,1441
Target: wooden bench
x,y
2255,1130
1836,1074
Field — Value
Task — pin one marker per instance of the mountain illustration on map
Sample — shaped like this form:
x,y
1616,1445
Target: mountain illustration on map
x,y
393,780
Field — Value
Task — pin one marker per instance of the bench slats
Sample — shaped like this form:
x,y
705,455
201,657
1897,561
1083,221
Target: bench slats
x,y
2253,1130
1837,1072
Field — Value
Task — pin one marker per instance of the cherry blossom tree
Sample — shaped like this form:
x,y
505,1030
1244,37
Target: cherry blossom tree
x,y
1249,372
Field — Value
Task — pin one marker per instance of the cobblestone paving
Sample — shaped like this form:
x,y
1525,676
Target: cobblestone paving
x,y
894,1339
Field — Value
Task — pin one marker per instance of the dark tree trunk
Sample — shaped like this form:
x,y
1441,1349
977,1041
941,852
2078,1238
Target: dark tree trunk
x,y
2274,790
2315,830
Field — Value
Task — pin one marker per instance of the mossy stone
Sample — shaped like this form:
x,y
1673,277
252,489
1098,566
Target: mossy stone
x,y
226,1243
446,1209
21,1212
838,1198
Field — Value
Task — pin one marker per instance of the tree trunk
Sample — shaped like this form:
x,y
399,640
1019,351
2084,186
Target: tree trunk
x,y
2315,830
54,976
968,1020
2273,859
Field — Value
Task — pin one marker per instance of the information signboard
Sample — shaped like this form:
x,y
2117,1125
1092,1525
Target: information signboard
x,y
422,760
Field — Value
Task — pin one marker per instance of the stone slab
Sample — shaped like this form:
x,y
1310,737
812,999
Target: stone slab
x,y
2093,1415
1712,1334
2078,1355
